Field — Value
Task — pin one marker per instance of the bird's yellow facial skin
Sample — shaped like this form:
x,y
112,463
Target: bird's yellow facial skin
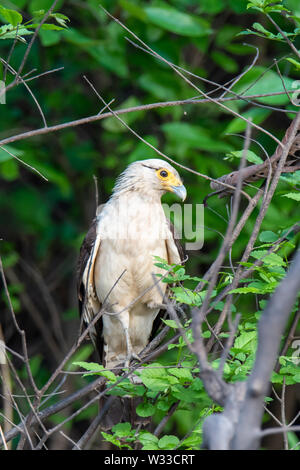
x,y
168,178
169,181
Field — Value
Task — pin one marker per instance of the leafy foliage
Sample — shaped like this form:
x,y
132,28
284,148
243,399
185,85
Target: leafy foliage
x,y
45,221
15,28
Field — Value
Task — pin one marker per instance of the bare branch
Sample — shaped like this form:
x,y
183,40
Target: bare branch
x,y
273,319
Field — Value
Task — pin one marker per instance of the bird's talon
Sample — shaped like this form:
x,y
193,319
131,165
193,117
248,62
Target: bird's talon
x,y
137,357
155,305
130,357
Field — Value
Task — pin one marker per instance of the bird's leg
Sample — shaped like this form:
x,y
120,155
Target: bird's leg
x,y
130,354
156,301
156,305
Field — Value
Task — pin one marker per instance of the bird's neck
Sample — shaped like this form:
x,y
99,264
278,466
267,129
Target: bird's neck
x,y
133,215
132,195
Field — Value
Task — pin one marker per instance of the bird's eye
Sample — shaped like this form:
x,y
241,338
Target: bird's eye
x,y
164,174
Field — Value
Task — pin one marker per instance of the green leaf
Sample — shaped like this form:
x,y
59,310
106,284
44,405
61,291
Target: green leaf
x,y
159,83
163,404
168,442
220,305
75,37
289,369
295,63
293,440
225,61
206,334
133,9
6,156
268,399
246,341
181,373
91,366
276,378
250,157
245,290
263,6
49,37
145,409
259,27
193,442
163,262
187,296
148,440
238,7
170,323
10,259
294,196
257,115
268,236
121,429
114,125
96,369
111,438
9,31
212,7
108,56
11,16
126,387
273,259
194,137
177,22
258,81
156,378
46,27
190,394
291,178
60,19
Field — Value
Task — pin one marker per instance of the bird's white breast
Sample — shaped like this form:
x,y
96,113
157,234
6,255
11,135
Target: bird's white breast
x,y
132,231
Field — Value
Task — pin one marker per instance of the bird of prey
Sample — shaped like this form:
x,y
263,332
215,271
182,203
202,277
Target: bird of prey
x,y
116,262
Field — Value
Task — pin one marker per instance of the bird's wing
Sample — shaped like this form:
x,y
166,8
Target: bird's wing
x,y
175,250
89,304
176,255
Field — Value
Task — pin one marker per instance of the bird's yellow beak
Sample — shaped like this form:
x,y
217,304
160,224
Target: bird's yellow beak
x,y
180,191
174,185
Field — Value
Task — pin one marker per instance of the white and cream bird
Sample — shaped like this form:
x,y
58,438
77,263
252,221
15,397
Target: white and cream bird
x,y
116,262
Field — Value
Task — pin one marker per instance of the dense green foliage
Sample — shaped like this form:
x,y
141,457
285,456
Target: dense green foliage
x,y
44,222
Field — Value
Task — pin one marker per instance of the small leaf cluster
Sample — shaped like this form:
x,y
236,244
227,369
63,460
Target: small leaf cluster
x,y
266,7
15,27
159,387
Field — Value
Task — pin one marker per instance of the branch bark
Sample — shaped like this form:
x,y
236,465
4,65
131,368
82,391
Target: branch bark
x,y
238,427
270,329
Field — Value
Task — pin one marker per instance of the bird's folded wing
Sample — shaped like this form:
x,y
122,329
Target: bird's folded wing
x,y
176,255
174,248
89,304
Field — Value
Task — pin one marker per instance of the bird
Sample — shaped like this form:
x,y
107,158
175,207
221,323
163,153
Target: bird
x,y
117,265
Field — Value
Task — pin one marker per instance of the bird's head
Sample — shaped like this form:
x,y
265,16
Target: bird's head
x,y
153,176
